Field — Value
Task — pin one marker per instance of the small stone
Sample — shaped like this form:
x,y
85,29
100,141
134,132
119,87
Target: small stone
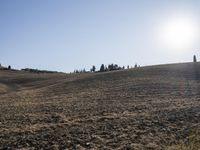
x,y
87,144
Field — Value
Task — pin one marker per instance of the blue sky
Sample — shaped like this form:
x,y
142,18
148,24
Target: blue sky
x,y
64,35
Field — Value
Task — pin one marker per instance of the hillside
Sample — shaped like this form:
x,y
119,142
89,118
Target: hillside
x,y
142,108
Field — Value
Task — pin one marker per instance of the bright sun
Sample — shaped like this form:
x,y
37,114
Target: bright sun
x,y
179,33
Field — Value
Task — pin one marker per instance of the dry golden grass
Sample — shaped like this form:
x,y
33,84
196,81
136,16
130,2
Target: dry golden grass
x,y
192,142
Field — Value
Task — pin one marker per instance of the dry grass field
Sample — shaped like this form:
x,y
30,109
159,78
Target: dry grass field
x,y
155,107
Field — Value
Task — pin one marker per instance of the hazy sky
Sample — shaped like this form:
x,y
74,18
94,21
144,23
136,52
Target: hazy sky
x,y
65,35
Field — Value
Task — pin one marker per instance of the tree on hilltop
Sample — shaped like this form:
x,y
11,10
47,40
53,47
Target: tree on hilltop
x,y
102,68
194,58
93,69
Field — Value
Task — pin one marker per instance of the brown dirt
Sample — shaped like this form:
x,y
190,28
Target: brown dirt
x,y
143,108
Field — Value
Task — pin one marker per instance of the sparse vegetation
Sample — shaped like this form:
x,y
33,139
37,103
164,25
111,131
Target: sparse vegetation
x,y
80,71
38,71
5,68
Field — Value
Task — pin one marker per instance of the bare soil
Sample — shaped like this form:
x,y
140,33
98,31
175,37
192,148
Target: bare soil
x,y
142,108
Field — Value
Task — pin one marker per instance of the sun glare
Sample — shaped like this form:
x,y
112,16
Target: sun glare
x,y
179,33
